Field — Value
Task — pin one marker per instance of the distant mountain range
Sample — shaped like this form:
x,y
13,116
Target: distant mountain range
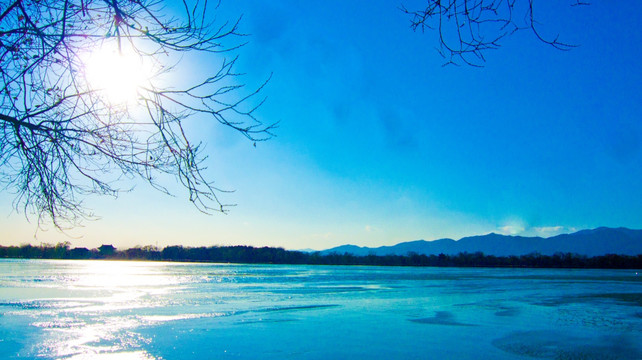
x,y
595,242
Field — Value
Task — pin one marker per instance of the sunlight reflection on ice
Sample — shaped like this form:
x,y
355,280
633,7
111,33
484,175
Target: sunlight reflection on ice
x,y
118,274
107,333
110,335
130,355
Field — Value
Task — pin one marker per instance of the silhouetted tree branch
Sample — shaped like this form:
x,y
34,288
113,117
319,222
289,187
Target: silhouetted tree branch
x,y
466,29
62,138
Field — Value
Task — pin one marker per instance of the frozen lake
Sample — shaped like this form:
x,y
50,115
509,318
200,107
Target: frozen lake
x,y
151,310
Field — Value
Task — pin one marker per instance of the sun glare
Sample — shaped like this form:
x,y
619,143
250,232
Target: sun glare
x,y
118,75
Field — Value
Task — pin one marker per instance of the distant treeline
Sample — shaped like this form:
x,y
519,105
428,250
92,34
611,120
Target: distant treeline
x,y
270,255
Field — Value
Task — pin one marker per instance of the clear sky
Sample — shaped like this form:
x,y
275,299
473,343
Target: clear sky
x,y
379,144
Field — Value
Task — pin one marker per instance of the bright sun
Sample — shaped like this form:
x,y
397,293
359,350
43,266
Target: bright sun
x,y
118,75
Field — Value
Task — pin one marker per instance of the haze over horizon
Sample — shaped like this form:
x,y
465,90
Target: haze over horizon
x,y
379,144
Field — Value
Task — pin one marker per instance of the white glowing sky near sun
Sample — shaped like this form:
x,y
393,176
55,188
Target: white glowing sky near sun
x,y
118,75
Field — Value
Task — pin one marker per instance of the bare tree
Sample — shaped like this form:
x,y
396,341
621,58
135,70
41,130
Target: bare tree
x,y
62,136
468,28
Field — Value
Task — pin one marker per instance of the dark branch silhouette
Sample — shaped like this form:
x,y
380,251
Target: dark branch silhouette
x,y
466,29
62,138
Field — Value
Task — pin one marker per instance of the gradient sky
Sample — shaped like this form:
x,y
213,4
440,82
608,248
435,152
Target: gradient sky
x,y
379,144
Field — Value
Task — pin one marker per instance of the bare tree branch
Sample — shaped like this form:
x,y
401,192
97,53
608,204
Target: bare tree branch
x,y
62,138
466,29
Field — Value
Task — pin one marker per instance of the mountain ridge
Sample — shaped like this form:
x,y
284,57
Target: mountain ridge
x,y
589,242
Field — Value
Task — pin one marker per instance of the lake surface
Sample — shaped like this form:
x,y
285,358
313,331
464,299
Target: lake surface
x,y
152,310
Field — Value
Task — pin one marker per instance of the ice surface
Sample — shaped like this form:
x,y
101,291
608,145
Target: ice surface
x,y
151,310
558,345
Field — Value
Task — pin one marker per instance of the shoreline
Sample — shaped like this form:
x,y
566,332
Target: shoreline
x,y
279,256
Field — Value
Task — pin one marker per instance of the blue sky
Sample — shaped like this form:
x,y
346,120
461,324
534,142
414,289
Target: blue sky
x,y
378,143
